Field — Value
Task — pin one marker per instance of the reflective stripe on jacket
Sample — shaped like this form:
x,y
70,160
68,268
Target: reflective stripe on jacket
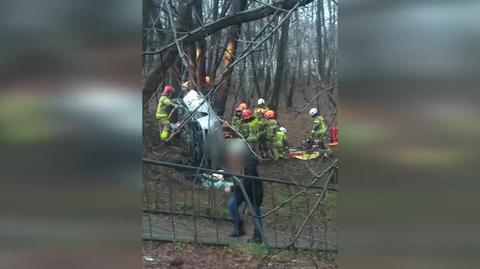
x,y
163,103
280,139
253,130
260,110
236,123
272,127
319,126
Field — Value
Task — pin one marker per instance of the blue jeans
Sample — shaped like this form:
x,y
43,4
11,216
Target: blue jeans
x,y
234,202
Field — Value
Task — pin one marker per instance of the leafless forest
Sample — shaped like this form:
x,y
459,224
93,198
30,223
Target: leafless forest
x,y
284,51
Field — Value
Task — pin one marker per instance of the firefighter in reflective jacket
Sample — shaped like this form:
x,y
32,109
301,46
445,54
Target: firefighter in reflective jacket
x,y
280,144
319,125
271,127
261,107
237,119
164,105
246,122
253,126
262,133
254,133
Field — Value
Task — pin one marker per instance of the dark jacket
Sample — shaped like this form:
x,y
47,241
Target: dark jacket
x,y
253,187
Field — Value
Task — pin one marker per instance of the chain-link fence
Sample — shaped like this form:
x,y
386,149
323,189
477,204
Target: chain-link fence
x,y
187,204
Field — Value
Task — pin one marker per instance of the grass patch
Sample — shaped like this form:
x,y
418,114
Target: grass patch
x,y
255,250
217,211
330,207
180,245
281,195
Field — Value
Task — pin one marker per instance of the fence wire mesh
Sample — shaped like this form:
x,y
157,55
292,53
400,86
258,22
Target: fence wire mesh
x,y
181,205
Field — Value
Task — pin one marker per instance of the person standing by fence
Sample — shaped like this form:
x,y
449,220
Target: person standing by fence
x,y
241,161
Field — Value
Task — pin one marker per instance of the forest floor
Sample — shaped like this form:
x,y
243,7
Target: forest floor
x,y
240,256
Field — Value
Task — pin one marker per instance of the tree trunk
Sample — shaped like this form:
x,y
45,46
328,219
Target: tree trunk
x,y
268,82
228,58
254,72
309,72
282,55
199,46
213,41
236,19
157,75
321,61
169,52
291,91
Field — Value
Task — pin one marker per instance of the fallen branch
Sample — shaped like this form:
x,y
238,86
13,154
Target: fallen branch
x,y
332,166
307,218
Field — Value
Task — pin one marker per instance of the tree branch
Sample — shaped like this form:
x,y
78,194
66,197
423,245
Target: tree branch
x,y
324,90
237,18
179,48
153,79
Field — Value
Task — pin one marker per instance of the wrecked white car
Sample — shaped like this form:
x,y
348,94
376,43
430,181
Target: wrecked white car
x,y
202,135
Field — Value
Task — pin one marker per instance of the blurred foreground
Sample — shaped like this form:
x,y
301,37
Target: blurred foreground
x,y
409,112
70,134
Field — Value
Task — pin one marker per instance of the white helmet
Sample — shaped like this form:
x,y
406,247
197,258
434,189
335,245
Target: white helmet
x,y
282,129
186,85
261,101
313,112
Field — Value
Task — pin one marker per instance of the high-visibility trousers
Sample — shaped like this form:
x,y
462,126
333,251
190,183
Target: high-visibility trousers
x,y
164,125
278,151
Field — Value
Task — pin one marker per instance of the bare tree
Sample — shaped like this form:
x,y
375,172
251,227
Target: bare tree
x,y
169,52
282,54
276,50
229,56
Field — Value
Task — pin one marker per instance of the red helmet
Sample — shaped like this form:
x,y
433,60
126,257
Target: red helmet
x,y
247,114
168,89
270,114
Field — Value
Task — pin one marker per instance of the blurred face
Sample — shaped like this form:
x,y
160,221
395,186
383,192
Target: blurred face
x,y
235,157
